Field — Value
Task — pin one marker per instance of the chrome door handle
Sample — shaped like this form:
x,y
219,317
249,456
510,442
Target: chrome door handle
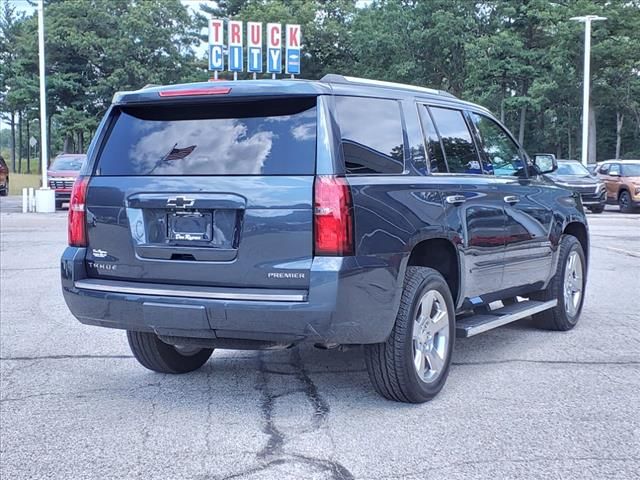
x,y
455,199
511,199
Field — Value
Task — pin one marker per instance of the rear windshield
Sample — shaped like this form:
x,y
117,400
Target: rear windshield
x,y
252,138
67,163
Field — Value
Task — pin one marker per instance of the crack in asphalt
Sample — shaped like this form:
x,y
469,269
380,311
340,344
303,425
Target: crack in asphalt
x,y
273,454
78,394
63,357
21,269
549,362
618,250
303,373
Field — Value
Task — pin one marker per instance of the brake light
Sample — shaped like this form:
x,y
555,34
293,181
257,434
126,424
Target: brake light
x,y
333,218
77,213
195,91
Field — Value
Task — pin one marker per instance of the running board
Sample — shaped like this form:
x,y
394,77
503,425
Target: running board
x,y
475,324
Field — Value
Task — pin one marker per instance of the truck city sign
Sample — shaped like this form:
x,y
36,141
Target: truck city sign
x,y
231,54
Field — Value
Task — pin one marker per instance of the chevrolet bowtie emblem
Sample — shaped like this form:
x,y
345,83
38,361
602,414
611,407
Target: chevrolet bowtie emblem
x,y
180,202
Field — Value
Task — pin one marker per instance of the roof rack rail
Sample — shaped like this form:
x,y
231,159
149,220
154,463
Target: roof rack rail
x,y
334,78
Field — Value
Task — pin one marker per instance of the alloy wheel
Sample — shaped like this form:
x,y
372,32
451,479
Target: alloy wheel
x,y
573,284
430,336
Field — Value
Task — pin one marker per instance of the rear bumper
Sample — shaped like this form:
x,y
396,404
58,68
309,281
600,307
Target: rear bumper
x,y
350,300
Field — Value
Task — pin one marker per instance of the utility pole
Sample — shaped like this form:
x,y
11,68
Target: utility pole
x,y
586,19
45,197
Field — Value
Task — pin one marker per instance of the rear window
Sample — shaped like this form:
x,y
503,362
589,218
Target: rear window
x,y
372,137
252,138
631,170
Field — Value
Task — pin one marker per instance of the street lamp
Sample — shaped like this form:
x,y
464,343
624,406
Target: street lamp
x,y
587,19
45,197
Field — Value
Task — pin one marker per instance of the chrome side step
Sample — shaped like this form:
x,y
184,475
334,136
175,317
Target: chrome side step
x,y
475,324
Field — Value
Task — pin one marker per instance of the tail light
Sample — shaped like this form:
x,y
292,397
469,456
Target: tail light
x,y
333,219
77,213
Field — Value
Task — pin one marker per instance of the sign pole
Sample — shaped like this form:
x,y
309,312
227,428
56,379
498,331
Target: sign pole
x,y
44,152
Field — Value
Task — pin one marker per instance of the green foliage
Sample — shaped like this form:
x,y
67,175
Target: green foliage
x,y
520,58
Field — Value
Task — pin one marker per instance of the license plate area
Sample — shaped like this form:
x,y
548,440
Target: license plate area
x,y
190,227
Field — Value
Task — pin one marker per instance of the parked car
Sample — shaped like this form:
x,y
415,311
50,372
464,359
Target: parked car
x,y
262,214
573,175
4,178
622,181
62,173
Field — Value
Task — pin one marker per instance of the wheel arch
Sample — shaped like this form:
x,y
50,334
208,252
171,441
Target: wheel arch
x,y
579,230
441,255
623,188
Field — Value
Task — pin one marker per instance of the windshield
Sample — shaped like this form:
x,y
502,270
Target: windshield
x,y
571,168
631,170
271,137
67,163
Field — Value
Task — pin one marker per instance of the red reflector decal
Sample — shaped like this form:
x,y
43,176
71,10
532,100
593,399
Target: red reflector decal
x,y
195,91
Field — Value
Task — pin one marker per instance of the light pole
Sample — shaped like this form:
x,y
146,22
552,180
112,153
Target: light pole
x,y
587,19
45,197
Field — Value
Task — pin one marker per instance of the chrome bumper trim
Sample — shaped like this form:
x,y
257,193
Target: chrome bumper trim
x,y
190,291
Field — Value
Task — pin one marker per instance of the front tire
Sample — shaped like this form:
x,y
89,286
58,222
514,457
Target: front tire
x,y
5,192
624,201
154,354
567,286
413,364
598,209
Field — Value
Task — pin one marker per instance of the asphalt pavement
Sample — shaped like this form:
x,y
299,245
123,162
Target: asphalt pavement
x,y
519,402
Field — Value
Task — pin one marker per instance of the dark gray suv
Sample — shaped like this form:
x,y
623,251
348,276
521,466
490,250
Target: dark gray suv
x,y
261,214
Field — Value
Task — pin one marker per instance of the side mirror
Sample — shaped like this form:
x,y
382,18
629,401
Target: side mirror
x,y
546,162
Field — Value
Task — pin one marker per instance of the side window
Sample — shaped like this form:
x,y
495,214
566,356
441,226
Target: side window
x,y
434,149
501,151
459,149
372,139
614,169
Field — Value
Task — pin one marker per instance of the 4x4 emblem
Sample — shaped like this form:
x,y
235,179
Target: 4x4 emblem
x,y
180,202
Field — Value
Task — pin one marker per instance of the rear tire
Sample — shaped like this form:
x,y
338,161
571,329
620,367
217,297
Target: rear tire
x,y
5,192
599,209
154,354
567,286
413,364
58,205
624,201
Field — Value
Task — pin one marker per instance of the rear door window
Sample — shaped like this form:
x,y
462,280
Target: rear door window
x,y
275,137
459,149
372,135
434,148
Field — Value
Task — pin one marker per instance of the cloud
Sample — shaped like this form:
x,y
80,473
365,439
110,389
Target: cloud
x,y
221,141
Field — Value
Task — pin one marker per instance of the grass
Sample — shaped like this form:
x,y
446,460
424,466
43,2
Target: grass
x,y
18,181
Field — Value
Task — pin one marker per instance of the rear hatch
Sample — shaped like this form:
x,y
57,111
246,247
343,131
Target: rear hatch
x,y
206,194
